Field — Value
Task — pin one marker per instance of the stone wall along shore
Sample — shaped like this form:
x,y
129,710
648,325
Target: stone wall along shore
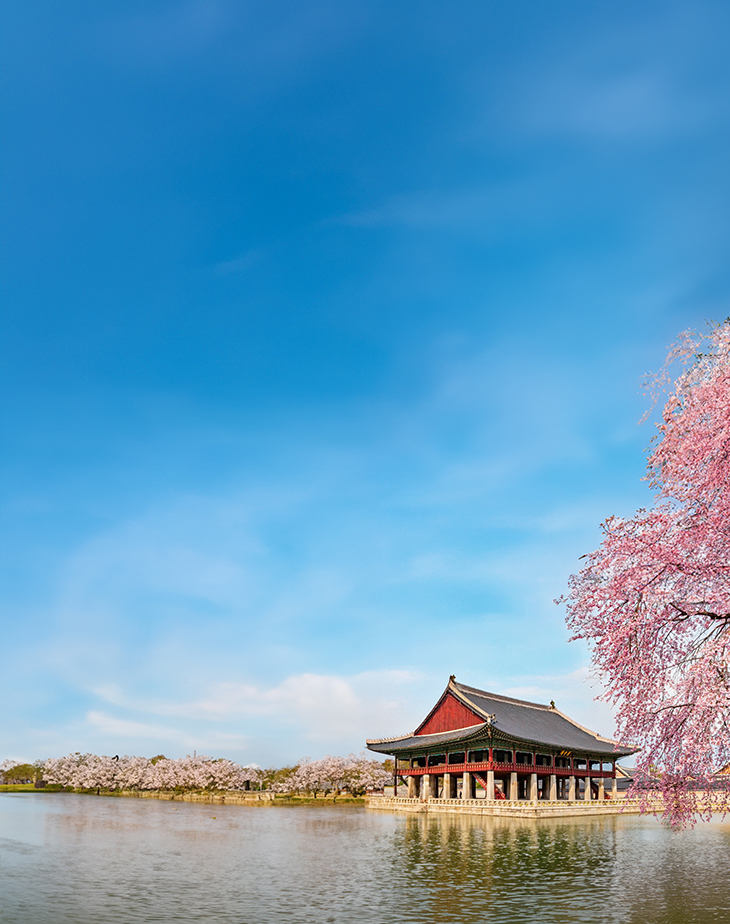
x,y
521,809
209,798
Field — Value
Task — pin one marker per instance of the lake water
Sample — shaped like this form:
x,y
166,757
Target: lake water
x,y
68,859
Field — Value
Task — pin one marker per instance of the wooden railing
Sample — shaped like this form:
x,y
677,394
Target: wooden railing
x,y
522,803
541,770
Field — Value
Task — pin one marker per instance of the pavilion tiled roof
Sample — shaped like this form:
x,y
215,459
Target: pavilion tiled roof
x,y
411,742
512,718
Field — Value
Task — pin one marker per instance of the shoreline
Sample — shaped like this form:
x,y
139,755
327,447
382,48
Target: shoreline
x,y
245,797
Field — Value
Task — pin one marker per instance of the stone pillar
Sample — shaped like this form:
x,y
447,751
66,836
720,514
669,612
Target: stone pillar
x,y
412,787
490,785
587,792
447,786
553,791
614,788
514,793
571,789
533,787
425,787
467,786
601,790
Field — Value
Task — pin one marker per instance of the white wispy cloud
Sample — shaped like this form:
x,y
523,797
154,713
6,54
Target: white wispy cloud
x,y
631,105
637,84
178,30
238,264
110,726
319,712
255,47
320,705
494,212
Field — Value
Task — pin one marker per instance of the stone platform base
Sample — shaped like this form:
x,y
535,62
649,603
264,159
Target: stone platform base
x,y
505,809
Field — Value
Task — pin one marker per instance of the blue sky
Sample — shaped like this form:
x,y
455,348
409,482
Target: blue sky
x,y
323,332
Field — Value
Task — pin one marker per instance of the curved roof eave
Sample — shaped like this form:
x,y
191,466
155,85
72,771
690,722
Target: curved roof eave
x,y
593,742
423,742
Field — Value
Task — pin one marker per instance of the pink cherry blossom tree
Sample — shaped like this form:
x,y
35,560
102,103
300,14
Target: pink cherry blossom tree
x,y
313,776
654,600
366,774
351,774
91,771
162,774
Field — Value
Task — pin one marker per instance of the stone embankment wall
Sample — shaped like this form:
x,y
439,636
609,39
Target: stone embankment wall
x,y
211,798
521,809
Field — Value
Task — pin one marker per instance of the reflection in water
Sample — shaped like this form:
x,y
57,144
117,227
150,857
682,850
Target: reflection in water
x,y
77,859
512,870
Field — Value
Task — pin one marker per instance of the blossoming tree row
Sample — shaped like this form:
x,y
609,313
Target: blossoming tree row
x,y
330,774
335,774
90,771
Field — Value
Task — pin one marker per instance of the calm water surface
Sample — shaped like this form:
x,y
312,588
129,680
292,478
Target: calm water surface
x,y
70,859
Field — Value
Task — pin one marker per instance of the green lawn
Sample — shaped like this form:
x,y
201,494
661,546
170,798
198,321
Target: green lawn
x,y
27,787
284,799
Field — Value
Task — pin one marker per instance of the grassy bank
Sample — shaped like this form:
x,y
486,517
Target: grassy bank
x,y
28,787
320,800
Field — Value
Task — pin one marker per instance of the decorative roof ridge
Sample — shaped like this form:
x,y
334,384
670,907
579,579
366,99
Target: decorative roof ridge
x,y
462,687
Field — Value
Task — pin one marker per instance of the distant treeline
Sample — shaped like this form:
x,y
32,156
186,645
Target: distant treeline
x,y
162,774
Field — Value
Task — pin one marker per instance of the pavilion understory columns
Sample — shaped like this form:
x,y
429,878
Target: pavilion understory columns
x,y
532,787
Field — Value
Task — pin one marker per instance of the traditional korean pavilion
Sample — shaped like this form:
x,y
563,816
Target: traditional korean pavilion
x,y
513,749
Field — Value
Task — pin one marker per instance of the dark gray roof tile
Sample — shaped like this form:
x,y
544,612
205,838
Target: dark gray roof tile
x,y
536,722
412,742
529,722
